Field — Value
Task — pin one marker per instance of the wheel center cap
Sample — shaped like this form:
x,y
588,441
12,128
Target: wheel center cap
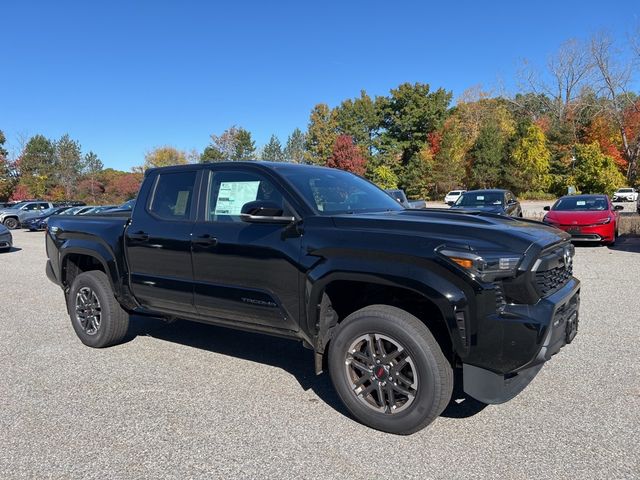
x,y
380,373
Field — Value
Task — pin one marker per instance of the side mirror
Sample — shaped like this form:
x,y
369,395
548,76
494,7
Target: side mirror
x,y
618,207
261,211
450,203
547,208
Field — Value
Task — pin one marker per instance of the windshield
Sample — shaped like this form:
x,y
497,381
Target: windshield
x,y
454,193
479,199
625,190
337,191
594,203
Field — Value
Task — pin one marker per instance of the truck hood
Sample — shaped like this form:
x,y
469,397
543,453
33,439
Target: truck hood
x,y
8,210
481,230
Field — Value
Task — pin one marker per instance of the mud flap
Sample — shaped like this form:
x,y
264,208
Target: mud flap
x,y
493,388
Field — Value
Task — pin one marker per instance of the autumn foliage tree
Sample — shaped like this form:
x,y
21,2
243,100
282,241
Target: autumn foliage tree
x,y
347,156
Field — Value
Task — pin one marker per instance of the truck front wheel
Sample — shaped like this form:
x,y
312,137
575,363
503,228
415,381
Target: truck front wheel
x,y
96,316
388,370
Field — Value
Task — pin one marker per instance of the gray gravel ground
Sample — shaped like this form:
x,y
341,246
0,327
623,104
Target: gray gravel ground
x,y
193,401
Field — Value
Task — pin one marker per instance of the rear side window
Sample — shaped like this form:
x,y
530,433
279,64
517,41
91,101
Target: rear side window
x,y
173,195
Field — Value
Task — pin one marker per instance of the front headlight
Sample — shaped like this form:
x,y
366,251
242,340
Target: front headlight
x,y
486,266
603,221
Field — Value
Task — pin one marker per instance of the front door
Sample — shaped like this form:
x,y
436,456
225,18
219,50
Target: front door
x,y
245,272
158,243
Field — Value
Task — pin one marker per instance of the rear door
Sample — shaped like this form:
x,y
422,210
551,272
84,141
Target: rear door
x,y
245,272
158,241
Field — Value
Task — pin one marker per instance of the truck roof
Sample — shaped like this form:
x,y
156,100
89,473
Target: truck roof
x,y
252,163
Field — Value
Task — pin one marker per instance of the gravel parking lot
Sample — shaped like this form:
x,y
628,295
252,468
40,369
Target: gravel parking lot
x,y
188,400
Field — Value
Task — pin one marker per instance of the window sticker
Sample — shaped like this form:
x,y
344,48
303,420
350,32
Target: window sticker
x,y
233,195
480,197
181,203
581,203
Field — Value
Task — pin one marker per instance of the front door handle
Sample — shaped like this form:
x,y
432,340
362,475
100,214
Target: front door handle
x,y
206,240
139,236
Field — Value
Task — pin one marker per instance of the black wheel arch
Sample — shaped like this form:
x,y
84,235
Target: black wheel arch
x,y
328,305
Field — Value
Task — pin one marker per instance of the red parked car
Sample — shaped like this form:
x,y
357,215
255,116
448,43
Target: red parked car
x,y
588,218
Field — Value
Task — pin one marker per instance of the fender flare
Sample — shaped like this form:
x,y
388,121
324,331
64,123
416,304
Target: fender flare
x,y
446,295
97,251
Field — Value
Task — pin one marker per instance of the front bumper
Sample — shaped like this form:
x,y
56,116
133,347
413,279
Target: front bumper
x,y
524,337
590,233
6,242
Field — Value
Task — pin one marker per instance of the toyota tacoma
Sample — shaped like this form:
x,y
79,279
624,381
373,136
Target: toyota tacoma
x,y
392,301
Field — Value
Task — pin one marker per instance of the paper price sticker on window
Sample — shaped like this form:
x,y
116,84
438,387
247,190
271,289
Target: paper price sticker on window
x,y
581,203
233,195
181,203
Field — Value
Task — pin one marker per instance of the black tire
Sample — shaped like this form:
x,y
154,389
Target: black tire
x,y
11,223
433,375
113,320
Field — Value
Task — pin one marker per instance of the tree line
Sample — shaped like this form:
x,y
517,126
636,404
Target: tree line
x,y
574,123
57,170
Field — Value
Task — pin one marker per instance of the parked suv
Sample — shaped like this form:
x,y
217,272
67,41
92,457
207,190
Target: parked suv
x,y
12,216
625,195
451,197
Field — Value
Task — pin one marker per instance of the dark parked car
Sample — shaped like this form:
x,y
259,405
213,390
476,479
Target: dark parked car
x,y
97,209
502,202
40,222
391,300
6,239
399,196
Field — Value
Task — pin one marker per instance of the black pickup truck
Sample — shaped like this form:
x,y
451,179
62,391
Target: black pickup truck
x,y
391,300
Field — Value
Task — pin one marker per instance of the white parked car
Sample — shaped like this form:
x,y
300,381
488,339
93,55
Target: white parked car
x,y
451,197
625,195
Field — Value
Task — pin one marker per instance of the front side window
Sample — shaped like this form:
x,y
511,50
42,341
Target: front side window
x,y
230,191
335,192
173,195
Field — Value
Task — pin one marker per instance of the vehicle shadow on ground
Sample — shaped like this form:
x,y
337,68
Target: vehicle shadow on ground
x,y
11,250
461,404
627,244
289,355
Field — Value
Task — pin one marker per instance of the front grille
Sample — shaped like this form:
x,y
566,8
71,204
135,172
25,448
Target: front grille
x,y
554,271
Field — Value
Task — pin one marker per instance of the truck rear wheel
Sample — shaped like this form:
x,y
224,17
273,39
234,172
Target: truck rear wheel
x,y
388,370
96,316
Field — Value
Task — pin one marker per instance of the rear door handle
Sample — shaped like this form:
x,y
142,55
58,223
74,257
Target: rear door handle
x,y
139,236
206,240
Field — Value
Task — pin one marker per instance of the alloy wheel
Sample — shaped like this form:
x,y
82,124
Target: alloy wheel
x,y
381,373
88,310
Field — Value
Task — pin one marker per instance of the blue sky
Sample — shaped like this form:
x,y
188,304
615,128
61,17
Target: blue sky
x,y
123,77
